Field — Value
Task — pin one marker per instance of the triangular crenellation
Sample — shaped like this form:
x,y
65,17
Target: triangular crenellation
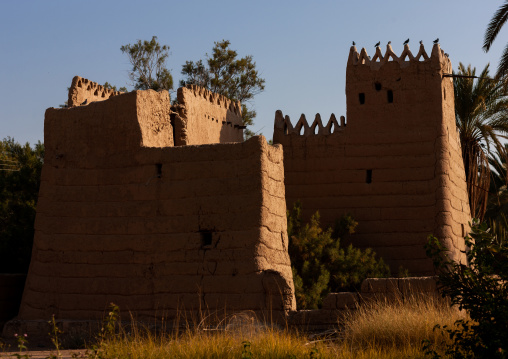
x,y
302,123
332,123
405,58
421,53
389,53
378,56
364,58
407,52
317,123
283,125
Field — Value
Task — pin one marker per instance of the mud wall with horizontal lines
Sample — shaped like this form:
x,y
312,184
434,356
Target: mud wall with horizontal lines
x,y
124,217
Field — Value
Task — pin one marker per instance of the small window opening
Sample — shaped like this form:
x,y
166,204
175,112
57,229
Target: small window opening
x,y
390,96
368,178
377,85
463,230
315,131
300,132
206,238
444,93
158,168
285,129
361,97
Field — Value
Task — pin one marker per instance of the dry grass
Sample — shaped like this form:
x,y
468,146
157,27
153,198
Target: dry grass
x,y
377,330
401,325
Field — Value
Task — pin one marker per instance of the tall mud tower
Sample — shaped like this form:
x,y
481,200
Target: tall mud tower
x,y
396,166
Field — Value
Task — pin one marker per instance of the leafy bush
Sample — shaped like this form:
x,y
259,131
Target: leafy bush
x,y
479,287
20,172
320,265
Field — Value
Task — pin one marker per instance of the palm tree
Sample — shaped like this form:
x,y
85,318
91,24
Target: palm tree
x,y
481,114
497,206
495,25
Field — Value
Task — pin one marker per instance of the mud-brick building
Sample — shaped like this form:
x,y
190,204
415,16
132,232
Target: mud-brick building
x,y
126,217
164,209
395,164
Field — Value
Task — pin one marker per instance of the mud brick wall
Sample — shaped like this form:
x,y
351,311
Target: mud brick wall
x,y
123,217
108,130
396,165
205,117
396,289
83,89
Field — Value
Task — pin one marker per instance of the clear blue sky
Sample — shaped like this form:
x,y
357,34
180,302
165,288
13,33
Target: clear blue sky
x,y
300,47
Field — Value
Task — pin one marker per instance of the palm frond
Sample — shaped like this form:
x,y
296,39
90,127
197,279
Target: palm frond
x,y
496,23
481,114
502,68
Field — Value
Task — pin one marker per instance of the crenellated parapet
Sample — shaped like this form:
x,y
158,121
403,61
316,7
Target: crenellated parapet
x,y
216,99
84,91
405,59
283,125
202,117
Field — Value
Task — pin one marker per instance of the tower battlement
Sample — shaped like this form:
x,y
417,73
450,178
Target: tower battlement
x,y
389,91
284,127
82,90
405,59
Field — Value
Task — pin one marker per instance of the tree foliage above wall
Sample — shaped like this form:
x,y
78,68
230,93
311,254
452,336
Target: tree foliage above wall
x,y
225,74
148,60
20,172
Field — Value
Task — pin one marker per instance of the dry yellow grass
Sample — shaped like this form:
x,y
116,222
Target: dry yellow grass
x,y
382,325
377,330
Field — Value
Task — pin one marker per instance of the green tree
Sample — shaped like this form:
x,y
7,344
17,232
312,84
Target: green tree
x,y
108,86
237,79
321,265
480,287
481,114
495,25
148,60
20,172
